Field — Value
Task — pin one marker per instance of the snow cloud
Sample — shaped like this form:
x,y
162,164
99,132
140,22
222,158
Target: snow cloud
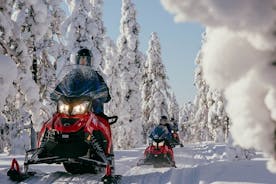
x,y
238,15
238,56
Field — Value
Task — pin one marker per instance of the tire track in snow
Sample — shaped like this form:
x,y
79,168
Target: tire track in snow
x,y
157,176
64,178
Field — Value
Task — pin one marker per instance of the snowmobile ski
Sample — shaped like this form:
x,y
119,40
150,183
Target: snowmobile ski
x,y
15,174
115,179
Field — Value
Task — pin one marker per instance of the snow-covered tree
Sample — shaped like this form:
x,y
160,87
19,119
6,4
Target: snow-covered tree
x,y
146,92
218,121
84,29
186,117
113,74
130,61
51,52
98,37
201,104
210,120
173,108
25,100
156,94
8,74
31,17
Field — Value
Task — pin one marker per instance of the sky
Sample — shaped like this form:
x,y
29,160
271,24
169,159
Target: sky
x,y
180,43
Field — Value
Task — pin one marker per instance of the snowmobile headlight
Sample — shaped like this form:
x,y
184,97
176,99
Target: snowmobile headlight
x,y
154,143
63,108
161,143
80,108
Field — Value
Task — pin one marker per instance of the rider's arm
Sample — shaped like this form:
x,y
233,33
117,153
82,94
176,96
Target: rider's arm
x,y
104,89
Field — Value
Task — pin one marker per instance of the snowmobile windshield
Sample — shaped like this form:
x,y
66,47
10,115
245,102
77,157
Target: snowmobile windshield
x,y
76,81
159,133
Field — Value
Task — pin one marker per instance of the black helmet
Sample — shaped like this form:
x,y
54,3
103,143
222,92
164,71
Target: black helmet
x,y
164,117
163,120
83,57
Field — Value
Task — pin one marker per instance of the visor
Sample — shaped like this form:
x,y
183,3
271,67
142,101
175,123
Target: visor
x,y
83,60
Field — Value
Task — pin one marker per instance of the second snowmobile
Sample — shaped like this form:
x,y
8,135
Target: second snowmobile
x,y
159,153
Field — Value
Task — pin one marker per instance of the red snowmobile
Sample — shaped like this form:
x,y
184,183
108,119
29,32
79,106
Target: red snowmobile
x,y
74,136
159,153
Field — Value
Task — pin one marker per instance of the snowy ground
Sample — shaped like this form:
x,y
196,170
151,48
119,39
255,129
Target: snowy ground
x,y
196,164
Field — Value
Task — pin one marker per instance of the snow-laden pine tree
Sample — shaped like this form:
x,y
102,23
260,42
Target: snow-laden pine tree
x,y
210,119
201,104
84,29
173,108
128,132
6,85
156,95
210,122
8,74
50,51
218,121
32,18
113,76
186,117
98,37
146,92
24,101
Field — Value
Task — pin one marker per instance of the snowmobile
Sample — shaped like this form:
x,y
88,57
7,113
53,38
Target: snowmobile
x,y
75,136
159,153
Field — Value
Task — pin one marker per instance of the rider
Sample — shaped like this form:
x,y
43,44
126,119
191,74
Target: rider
x,y
77,79
172,137
175,135
164,122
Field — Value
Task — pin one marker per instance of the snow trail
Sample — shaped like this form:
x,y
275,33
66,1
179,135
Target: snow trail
x,y
196,164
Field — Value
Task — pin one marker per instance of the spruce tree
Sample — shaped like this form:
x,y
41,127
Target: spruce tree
x,y
84,29
155,88
173,108
130,61
112,73
199,126
24,101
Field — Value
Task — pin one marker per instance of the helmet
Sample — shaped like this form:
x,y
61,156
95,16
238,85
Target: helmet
x,y
83,57
164,117
163,120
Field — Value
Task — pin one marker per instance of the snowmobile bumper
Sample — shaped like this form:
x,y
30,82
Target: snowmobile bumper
x,y
157,161
34,159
